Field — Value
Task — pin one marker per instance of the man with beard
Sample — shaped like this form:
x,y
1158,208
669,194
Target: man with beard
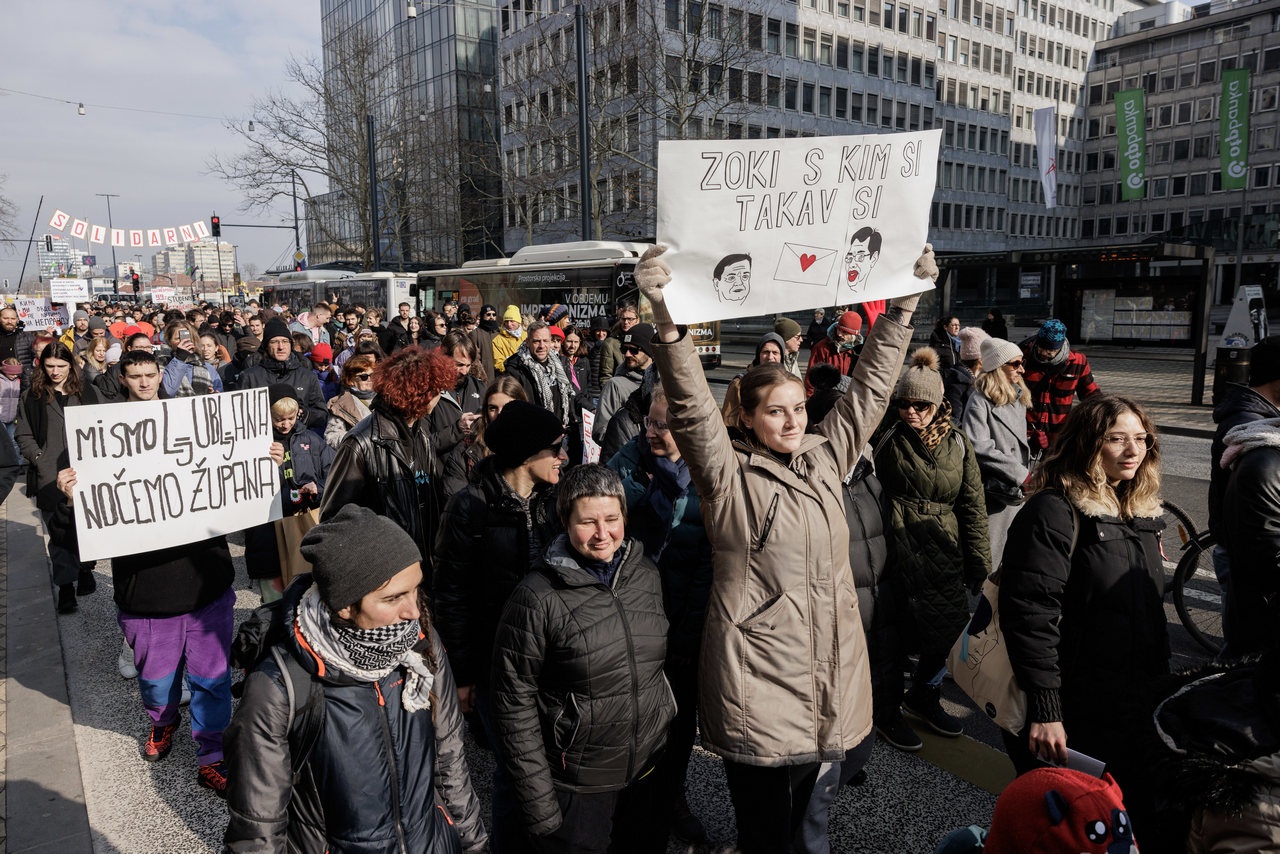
x,y
17,344
281,365
483,336
840,348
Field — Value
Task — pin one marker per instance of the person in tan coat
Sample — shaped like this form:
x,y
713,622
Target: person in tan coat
x,y
784,673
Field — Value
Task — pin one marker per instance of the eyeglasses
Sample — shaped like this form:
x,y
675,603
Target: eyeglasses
x,y
1145,441
490,314
916,405
363,376
658,426
850,257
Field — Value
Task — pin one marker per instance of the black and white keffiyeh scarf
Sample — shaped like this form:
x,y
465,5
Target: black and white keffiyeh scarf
x,y
368,654
554,390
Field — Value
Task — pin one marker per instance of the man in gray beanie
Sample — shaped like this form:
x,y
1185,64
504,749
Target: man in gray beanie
x,y
789,331
378,708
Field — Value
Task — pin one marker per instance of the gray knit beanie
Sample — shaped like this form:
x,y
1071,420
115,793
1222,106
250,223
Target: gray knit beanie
x,y
997,352
355,553
921,380
971,338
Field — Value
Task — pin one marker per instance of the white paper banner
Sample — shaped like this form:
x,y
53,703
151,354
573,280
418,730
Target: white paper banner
x,y
59,220
1045,120
68,290
168,472
83,230
97,234
79,228
38,314
769,226
136,238
117,237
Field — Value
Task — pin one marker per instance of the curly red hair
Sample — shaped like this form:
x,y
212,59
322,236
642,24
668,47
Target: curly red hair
x,y
411,378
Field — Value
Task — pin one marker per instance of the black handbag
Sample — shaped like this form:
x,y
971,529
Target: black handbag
x,y
1001,495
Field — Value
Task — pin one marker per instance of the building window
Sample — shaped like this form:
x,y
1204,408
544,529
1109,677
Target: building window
x,y
1208,71
792,92
824,101
806,103
793,38
774,44
673,14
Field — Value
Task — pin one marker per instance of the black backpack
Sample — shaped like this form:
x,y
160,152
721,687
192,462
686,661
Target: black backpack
x,y
262,635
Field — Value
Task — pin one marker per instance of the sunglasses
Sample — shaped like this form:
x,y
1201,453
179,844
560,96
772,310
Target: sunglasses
x,y
364,376
1016,363
916,405
630,350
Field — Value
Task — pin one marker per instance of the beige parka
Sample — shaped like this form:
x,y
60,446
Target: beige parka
x,y
784,678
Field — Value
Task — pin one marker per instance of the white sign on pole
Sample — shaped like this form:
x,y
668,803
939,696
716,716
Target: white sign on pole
x,y
68,290
162,295
167,472
1247,323
38,313
768,226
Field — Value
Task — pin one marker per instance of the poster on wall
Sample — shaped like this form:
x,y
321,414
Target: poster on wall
x,y
775,225
1247,323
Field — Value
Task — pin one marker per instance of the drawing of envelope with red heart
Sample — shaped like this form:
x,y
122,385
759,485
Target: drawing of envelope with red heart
x,y
805,265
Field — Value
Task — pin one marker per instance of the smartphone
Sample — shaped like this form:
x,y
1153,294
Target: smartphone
x,y
184,334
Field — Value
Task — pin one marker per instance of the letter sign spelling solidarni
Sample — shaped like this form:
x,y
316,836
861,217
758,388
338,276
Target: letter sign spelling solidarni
x,y
163,473
775,225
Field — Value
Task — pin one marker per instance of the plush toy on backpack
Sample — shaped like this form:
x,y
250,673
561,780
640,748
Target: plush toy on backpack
x,y
1052,811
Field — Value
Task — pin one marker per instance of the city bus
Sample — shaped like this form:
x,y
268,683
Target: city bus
x,y
591,278
299,291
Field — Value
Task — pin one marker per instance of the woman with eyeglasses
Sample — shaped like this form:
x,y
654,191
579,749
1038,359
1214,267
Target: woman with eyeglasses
x,y
1081,597
784,678
937,538
351,406
995,420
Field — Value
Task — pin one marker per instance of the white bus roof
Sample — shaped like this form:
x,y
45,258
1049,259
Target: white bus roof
x,y
580,253
293,277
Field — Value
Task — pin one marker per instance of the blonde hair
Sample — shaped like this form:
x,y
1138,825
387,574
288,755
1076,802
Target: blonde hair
x,y
996,387
285,407
1073,464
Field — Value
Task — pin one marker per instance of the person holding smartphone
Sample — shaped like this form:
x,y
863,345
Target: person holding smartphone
x,y
187,374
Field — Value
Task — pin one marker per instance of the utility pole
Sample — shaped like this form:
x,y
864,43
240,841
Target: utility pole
x,y
297,242
373,195
217,247
115,268
584,130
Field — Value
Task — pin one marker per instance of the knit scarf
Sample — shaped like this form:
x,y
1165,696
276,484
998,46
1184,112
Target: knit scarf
x,y
368,655
365,394
1250,436
200,382
552,383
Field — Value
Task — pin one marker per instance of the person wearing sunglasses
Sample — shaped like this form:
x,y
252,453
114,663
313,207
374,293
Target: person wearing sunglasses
x,y
783,673
995,420
491,534
1081,603
351,405
938,546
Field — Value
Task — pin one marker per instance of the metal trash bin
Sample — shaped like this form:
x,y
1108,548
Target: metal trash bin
x,y
1232,366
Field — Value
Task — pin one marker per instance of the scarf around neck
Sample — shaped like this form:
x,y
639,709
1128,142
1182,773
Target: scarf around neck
x,y
367,655
553,384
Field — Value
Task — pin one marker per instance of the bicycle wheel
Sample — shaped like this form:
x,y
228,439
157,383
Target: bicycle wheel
x,y
1197,596
1178,531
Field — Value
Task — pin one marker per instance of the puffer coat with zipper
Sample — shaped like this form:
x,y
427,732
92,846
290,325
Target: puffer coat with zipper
x,y
580,697
379,779
937,526
784,672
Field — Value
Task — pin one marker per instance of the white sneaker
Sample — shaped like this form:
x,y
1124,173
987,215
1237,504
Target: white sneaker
x,y
186,693
124,663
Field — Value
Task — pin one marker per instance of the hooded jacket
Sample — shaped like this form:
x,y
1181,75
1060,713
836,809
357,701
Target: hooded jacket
x,y
784,662
379,778
1241,405
505,343
580,698
733,395
488,540
294,371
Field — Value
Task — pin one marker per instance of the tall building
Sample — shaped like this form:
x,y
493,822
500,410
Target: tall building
x,y
56,257
426,80
169,261
664,69
210,262
1177,56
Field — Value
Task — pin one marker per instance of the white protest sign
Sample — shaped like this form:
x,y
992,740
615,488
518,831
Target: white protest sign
x,y
38,314
163,473
590,450
68,290
162,295
768,226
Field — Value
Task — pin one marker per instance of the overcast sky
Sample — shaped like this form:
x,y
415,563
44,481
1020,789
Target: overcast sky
x,y
209,59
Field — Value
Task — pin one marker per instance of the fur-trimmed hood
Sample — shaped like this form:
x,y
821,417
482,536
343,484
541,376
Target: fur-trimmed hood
x,y
1243,438
1100,506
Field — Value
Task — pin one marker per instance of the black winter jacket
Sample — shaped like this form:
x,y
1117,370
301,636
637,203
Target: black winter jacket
x,y
446,417
580,698
486,544
1079,629
392,469
1250,525
1240,406
375,780
295,372
309,461
174,580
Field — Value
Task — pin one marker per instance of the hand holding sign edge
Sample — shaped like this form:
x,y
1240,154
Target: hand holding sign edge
x,y
652,275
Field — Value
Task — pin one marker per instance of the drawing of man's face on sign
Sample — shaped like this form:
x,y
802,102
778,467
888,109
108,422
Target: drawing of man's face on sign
x,y
732,278
864,252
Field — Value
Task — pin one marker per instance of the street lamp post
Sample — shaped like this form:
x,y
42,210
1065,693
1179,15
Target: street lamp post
x,y
115,269
584,130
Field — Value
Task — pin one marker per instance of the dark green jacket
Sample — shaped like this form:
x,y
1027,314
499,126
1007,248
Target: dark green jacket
x,y
937,526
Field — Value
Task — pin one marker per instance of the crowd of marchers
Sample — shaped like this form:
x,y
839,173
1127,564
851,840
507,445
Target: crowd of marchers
x,y
779,577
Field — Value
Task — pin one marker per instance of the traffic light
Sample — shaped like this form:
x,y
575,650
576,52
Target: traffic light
x,y
215,226
136,279
48,243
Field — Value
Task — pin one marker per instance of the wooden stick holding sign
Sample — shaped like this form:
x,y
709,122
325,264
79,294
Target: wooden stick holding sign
x,y
774,225
162,473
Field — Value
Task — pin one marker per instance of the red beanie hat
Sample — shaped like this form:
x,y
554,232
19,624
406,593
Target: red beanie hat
x,y
321,352
850,322
1051,810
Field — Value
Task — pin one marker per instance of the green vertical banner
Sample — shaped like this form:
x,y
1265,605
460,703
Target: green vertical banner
x,y
1131,143
1233,128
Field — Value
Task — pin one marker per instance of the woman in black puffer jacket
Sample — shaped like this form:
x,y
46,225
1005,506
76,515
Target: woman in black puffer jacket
x,y
580,698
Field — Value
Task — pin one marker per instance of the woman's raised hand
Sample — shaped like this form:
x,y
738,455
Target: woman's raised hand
x,y
927,265
652,275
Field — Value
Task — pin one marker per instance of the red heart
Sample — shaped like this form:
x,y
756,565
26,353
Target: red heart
x,y
806,261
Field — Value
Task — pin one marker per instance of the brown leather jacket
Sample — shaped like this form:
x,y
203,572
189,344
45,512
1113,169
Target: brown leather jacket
x,y
784,672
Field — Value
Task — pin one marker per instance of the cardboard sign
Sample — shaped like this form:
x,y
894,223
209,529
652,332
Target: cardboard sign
x,y
68,290
38,314
167,472
769,226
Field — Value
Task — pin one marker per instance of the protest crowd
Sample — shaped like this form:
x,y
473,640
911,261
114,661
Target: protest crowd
x,y
782,579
